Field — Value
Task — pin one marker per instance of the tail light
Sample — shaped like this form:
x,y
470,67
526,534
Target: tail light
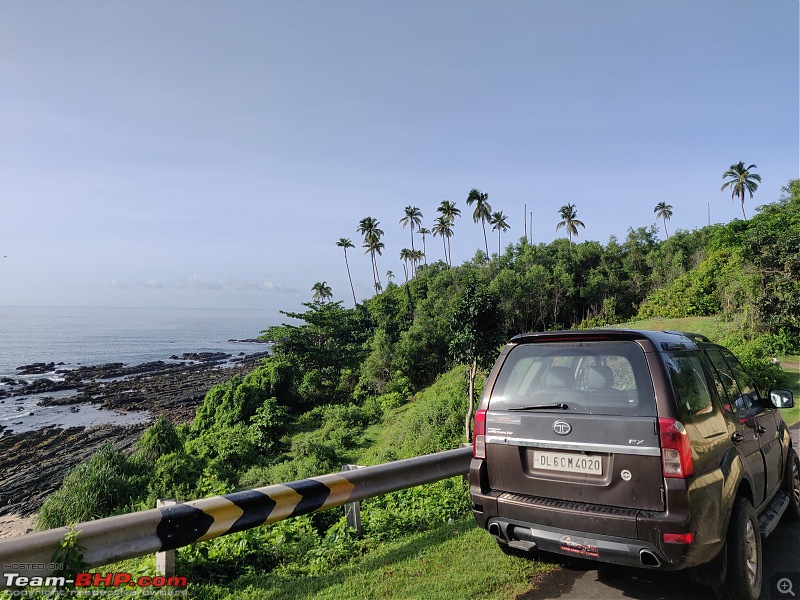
x,y
676,450
479,435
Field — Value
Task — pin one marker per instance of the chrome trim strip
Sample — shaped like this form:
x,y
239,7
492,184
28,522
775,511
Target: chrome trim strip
x,y
587,447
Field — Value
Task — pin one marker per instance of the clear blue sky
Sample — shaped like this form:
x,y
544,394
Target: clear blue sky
x,y
210,154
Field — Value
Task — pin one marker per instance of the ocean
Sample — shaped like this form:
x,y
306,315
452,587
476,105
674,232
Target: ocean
x,y
82,336
91,336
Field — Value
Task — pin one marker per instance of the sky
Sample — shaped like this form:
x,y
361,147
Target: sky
x,y
210,154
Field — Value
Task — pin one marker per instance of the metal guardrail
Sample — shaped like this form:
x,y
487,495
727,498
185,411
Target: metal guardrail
x,y
112,539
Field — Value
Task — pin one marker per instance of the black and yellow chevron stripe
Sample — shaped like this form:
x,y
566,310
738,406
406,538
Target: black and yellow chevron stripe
x,y
200,520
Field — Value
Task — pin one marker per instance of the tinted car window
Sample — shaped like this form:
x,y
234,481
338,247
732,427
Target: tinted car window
x,y
689,383
746,383
590,377
731,396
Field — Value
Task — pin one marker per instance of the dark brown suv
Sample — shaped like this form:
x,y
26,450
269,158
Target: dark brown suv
x,y
641,448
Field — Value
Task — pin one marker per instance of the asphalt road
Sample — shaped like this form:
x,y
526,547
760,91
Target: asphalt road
x,y
587,580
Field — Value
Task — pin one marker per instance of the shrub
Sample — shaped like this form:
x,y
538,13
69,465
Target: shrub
x,y
99,487
159,439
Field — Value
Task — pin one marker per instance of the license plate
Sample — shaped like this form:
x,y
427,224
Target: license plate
x,y
567,463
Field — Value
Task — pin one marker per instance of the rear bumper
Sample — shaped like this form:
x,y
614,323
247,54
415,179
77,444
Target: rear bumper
x,y
608,549
606,534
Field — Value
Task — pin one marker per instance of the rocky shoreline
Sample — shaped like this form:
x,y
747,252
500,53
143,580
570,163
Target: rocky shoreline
x,y
33,463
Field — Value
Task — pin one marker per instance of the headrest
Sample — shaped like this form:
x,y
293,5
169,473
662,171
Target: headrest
x,y
600,377
560,377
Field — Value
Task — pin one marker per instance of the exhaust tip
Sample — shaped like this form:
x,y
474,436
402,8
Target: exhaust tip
x,y
494,529
648,559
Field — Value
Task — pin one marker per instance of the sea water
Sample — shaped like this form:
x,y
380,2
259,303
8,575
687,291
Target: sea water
x,y
72,337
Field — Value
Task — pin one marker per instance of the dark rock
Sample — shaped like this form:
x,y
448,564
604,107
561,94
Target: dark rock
x,y
36,368
33,464
206,356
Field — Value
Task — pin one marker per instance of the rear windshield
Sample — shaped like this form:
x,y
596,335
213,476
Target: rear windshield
x,y
609,378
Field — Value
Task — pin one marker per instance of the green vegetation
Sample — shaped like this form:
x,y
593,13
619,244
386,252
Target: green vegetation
x,y
397,375
450,561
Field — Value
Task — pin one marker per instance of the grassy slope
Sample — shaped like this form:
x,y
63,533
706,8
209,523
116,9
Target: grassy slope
x,y
453,561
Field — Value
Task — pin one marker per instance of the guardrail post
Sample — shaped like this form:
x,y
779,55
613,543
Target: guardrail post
x,y
165,561
352,510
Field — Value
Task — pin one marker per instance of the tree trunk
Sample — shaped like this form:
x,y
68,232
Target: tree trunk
x,y
352,289
473,370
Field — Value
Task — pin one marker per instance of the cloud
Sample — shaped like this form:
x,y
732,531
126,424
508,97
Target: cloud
x,y
196,282
259,286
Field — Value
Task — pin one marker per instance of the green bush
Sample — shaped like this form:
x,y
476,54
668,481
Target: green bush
x,y
99,487
175,476
159,439
755,356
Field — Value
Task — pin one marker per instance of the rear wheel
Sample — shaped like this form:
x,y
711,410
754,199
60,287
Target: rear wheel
x,y
743,578
791,485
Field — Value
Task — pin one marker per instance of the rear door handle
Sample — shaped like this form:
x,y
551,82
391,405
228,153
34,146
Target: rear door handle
x,y
737,438
761,429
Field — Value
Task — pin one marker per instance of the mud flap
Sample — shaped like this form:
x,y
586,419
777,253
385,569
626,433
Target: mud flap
x,y
711,573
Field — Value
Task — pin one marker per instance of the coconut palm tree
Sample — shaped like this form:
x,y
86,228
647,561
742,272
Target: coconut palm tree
x,y
413,218
442,227
499,223
389,275
663,211
368,227
448,211
344,244
741,180
482,212
570,221
377,247
322,291
416,258
423,232
405,256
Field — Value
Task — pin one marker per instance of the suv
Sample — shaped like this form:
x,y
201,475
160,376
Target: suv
x,y
651,449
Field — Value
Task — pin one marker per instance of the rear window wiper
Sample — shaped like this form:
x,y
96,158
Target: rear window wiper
x,y
559,405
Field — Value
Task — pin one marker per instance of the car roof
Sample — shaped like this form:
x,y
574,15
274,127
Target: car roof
x,y
664,340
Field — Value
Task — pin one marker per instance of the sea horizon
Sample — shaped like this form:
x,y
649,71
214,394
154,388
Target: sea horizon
x,y
74,336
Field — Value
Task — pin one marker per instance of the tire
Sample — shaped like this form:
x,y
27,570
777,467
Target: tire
x,y
743,577
791,485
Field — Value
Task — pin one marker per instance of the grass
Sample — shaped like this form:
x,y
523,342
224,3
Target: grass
x,y
451,562
711,327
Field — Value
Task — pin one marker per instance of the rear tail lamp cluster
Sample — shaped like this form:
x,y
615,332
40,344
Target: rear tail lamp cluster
x,y
479,435
676,449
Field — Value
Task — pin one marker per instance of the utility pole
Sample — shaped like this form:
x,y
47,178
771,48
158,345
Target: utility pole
x,y
525,220
531,228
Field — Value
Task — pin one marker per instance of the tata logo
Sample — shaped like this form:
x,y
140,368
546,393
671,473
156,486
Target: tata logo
x,y
562,427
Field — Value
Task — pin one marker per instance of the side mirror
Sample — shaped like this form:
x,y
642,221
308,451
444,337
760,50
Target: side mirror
x,y
781,398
